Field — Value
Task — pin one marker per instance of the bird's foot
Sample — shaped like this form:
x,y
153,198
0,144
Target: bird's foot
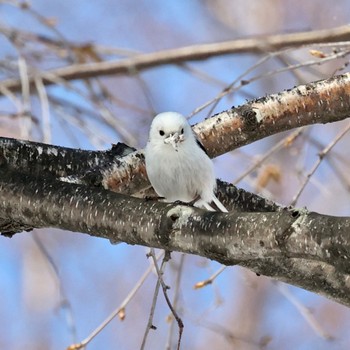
x,y
193,201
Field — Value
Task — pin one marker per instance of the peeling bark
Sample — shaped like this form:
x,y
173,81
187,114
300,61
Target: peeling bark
x,y
319,102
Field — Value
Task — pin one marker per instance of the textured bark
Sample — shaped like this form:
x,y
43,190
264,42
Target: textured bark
x,y
302,248
75,165
305,249
320,102
123,171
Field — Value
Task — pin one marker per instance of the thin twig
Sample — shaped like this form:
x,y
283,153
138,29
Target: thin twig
x,y
107,116
95,134
233,338
239,80
154,301
144,88
233,87
321,155
287,140
45,109
202,75
117,312
176,299
165,289
12,97
304,311
64,302
193,53
211,279
25,87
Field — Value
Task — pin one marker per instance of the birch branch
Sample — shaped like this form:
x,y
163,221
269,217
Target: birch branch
x,y
302,248
184,54
319,102
123,171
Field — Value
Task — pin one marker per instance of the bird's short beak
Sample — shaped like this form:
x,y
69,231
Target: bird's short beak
x,y
174,140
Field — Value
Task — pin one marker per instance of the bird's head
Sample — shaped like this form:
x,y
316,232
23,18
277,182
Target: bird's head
x,y
170,128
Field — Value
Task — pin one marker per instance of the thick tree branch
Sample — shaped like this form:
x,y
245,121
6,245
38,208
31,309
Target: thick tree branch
x,y
185,54
320,102
40,159
281,244
306,249
323,101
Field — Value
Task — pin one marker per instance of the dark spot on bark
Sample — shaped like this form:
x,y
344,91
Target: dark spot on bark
x,y
262,244
93,178
174,217
258,274
339,257
248,115
295,213
121,149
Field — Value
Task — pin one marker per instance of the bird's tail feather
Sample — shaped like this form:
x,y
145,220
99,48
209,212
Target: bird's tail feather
x,y
219,204
215,205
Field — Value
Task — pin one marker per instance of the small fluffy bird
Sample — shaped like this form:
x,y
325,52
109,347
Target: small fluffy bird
x,y
177,164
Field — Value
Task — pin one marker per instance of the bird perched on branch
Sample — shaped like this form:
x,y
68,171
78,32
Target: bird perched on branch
x,y
177,164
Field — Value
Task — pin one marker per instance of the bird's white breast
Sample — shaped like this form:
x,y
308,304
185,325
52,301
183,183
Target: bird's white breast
x,y
180,175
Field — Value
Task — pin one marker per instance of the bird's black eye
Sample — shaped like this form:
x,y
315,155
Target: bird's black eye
x,y
182,131
161,132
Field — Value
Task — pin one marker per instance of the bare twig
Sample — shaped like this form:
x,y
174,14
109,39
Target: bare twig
x,y
45,109
211,279
25,87
233,338
321,155
238,83
304,311
285,141
120,311
193,53
231,87
165,289
154,300
176,299
64,302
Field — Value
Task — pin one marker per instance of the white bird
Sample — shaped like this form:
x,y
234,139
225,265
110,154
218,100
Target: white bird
x,y
177,164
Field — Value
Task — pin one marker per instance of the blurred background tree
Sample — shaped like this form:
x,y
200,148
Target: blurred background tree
x,y
56,287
